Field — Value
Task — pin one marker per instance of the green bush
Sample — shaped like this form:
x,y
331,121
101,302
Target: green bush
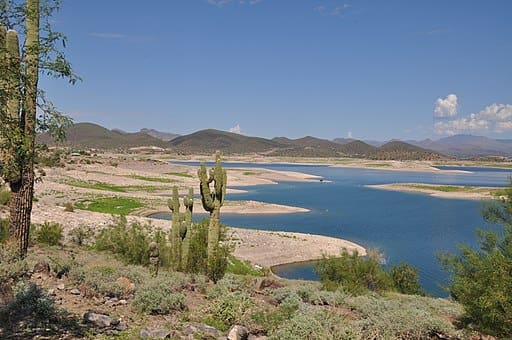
x,y
198,255
314,323
405,279
30,307
482,279
158,297
130,241
5,196
68,207
228,284
11,267
4,230
239,267
102,278
229,309
353,273
401,317
49,233
81,235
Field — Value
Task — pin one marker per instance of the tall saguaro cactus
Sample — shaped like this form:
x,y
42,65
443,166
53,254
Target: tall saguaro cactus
x,y
212,200
18,86
188,227
174,205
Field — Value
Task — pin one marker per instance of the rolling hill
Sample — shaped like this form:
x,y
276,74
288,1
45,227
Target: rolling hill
x,y
397,150
89,135
207,141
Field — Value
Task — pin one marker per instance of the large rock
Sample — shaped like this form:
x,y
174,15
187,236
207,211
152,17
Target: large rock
x,y
199,328
99,320
155,333
42,268
238,333
269,283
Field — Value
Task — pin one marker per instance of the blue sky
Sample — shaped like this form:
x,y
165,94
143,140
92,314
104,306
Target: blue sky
x,y
369,69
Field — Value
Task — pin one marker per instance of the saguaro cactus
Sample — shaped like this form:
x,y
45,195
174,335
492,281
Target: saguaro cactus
x,y
213,200
174,205
188,227
10,85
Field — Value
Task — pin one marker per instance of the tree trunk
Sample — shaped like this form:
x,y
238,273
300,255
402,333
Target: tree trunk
x,y
22,193
23,190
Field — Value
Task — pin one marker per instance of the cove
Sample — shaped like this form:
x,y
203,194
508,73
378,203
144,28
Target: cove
x,y
406,227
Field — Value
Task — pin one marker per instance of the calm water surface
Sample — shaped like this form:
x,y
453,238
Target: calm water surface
x,y
404,226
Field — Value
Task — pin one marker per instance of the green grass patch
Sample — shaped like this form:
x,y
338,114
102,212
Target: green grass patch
x,y
378,165
251,173
239,267
443,188
114,188
180,174
153,179
95,185
454,188
110,205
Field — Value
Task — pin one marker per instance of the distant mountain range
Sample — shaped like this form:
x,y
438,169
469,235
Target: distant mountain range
x,y
466,146
89,135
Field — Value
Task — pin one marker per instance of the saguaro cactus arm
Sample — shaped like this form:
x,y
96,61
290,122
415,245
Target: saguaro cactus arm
x,y
206,194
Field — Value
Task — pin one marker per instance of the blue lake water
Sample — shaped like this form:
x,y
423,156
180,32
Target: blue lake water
x,y
404,226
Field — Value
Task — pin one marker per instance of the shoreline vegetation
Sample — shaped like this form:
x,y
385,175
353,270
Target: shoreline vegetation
x,y
444,191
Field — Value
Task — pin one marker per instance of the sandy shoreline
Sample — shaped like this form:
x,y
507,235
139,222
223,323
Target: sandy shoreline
x,y
469,193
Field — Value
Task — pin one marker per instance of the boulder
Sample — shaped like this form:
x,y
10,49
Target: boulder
x,y
99,320
195,328
157,333
269,283
238,332
42,268
75,291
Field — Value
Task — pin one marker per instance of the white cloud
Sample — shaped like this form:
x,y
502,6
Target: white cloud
x,y
496,118
236,129
219,3
446,107
336,11
349,134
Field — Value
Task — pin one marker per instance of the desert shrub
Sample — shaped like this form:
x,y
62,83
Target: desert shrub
x,y
353,273
4,230
99,280
158,297
314,323
50,159
81,235
198,255
11,267
228,284
103,278
396,318
49,233
30,307
481,278
68,207
5,195
405,279
269,320
131,241
229,309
